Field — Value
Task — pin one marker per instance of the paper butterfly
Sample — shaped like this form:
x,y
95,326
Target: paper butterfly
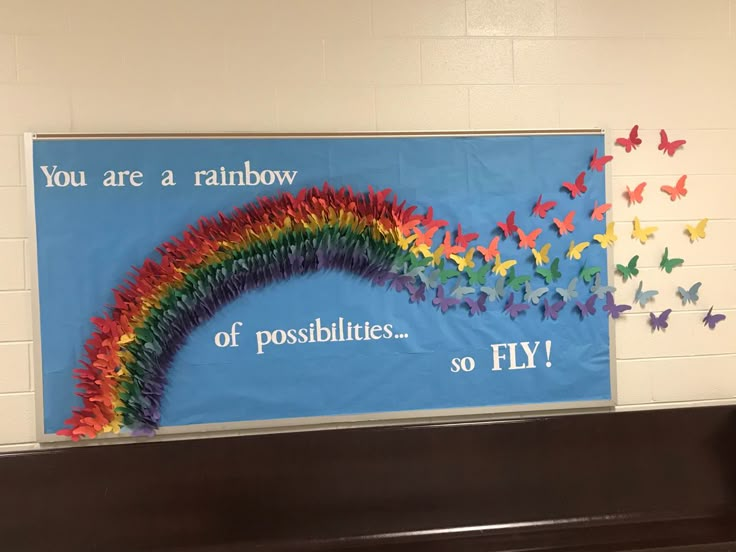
x,y
614,310
665,146
630,270
643,297
443,302
515,282
689,295
466,261
587,308
642,234
608,238
711,319
668,264
533,295
566,225
463,240
578,187
552,310
576,251
551,274
405,242
514,309
698,231
479,276
502,267
496,292
632,141
528,241
446,275
476,306
635,195
598,163
540,209
678,190
429,222
425,238
659,322
448,248
491,251
569,293
431,280
587,273
416,293
509,227
599,211
437,256
460,291
599,290
542,256
422,249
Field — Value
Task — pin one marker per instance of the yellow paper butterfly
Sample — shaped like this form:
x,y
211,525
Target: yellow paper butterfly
x,y
422,248
542,256
574,251
464,262
642,234
405,242
438,255
608,238
502,267
698,231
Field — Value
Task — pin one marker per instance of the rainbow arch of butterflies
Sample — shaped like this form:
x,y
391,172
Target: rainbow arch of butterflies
x,y
122,376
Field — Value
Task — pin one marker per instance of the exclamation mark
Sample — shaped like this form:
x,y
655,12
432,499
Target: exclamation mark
x,y
548,346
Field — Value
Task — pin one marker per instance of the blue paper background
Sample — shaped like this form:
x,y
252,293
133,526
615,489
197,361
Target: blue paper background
x,y
88,238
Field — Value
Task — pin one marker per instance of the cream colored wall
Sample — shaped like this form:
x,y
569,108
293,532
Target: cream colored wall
x,y
228,65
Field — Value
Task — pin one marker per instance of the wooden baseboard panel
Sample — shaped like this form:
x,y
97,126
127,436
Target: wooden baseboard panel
x,y
642,481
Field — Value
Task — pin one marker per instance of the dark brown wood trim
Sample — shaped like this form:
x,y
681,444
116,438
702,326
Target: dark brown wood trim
x,y
655,480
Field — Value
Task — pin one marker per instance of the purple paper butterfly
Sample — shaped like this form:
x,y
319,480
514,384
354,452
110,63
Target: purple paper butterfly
x,y
659,322
614,310
400,281
587,308
514,309
552,310
477,306
711,319
416,293
443,302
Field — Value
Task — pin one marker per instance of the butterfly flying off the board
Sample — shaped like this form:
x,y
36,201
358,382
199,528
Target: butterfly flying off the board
x,y
659,322
689,295
632,141
665,146
676,191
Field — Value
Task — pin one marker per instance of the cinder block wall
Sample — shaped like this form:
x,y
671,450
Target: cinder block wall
x,y
332,65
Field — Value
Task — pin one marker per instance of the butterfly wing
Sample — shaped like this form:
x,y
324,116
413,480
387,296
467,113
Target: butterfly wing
x,y
634,136
626,143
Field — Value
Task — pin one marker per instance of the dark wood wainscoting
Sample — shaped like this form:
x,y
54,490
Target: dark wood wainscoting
x,y
645,481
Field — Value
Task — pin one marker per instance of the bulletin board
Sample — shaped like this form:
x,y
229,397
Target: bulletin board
x,y
192,283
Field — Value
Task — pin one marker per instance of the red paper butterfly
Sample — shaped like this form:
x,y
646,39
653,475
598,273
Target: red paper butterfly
x,y
632,141
540,209
578,188
669,147
597,163
509,227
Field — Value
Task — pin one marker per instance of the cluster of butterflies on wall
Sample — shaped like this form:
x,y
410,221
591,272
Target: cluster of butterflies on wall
x,y
643,233
429,267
